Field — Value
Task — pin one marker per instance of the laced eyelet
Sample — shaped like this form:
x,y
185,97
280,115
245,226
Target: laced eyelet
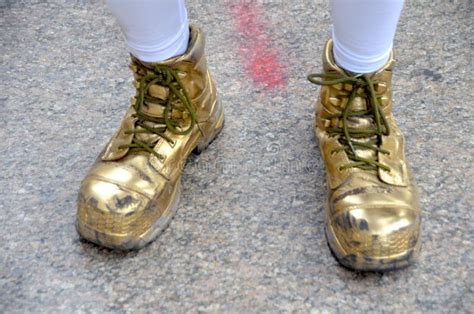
x,y
363,87
167,77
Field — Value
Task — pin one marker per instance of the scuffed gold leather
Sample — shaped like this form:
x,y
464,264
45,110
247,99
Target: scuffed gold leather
x,y
125,197
373,217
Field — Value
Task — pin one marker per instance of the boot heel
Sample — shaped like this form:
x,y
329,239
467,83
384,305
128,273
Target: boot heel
x,y
213,131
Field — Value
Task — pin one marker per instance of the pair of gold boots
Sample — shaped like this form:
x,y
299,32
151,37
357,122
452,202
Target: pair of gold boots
x,y
132,191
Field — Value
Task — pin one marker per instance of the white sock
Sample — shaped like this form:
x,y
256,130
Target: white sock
x,y
363,32
155,30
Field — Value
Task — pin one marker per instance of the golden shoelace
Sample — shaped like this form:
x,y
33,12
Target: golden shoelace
x,y
177,100
348,136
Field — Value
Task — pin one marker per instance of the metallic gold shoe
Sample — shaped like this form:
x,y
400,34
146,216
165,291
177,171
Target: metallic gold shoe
x,y
131,193
373,215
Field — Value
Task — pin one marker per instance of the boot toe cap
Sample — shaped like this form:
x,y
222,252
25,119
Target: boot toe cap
x,y
108,213
375,237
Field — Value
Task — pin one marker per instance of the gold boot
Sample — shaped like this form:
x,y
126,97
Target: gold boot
x,y
131,193
373,214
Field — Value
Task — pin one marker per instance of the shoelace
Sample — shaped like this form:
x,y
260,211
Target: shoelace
x,y
177,99
348,136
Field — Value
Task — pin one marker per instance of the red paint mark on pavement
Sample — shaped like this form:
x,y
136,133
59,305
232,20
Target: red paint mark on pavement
x,y
261,57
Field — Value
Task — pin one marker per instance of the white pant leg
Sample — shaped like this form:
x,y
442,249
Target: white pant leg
x,y
363,32
155,30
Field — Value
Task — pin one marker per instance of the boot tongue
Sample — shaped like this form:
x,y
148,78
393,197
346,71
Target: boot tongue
x,y
363,122
158,92
154,104
152,109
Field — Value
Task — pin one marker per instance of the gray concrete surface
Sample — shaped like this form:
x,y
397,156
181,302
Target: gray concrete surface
x,y
249,233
